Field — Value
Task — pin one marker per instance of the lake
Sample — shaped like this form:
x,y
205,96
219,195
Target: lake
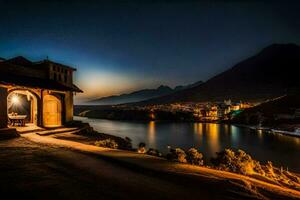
x,y
208,138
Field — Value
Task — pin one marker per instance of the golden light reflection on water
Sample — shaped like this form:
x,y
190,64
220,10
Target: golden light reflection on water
x,y
151,133
198,133
210,134
226,129
259,133
198,128
213,137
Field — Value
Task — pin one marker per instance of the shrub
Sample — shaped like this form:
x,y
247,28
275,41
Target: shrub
x,y
269,169
292,177
177,155
224,160
107,143
128,143
142,147
258,168
194,157
242,163
154,152
238,162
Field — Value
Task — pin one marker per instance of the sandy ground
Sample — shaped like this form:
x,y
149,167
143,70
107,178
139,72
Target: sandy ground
x,y
46,167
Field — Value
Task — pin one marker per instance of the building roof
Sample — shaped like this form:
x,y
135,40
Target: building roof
x,y
20,71
33,82
55,63
19,60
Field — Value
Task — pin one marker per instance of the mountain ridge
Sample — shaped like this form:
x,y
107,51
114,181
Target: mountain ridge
x,y
140,95
270,73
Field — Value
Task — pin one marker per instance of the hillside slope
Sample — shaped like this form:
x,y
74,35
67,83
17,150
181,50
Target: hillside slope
x,y
272,72
283,112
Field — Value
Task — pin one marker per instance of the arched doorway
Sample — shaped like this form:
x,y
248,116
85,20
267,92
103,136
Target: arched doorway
x,y
22,104
52,110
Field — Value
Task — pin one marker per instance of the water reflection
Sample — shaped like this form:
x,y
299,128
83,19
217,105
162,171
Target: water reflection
x,y
234,135
198,129
259,133
209,138
213,137
226,129
198,134
151,134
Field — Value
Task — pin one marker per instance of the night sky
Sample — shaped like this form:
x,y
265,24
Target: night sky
x,y
127,45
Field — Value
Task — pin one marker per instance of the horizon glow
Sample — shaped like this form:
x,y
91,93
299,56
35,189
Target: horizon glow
x,y
122,47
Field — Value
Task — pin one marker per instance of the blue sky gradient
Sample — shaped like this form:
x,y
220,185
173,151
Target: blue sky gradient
x,y
121,46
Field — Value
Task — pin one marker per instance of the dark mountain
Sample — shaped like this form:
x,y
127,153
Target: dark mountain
x,y
271,73
282,112
140,95
183,87
134,96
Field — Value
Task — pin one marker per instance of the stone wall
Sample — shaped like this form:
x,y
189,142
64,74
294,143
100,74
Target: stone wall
x,y
3,107
69,106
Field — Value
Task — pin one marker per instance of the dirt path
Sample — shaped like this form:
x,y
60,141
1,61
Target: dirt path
x,y
46,170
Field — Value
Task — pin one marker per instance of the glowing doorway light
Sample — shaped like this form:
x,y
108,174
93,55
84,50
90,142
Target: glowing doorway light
x,y
15,100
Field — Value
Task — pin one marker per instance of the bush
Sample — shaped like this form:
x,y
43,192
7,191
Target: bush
x,y
142,147
238,162
269,169
154,152
224,160
177,155
194,157
128,143
242,163
107,143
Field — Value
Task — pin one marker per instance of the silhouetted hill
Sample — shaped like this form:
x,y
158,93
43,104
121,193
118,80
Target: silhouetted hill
x,y
280,112
134,96
183,87
271,73
140,95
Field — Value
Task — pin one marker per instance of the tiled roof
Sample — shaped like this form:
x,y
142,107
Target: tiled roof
x,y
21,72
19,60
32,82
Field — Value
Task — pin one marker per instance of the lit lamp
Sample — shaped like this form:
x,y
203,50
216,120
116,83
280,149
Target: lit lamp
x,y
15,100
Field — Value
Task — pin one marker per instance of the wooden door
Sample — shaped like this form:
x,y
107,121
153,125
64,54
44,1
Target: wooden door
x,y
52,111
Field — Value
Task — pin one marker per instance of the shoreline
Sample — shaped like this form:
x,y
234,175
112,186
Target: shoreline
x,y
270,130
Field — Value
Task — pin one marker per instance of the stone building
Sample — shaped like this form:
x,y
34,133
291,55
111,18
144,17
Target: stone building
x,y
42,91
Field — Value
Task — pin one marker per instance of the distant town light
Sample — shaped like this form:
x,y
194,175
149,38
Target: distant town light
x,y
152,116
